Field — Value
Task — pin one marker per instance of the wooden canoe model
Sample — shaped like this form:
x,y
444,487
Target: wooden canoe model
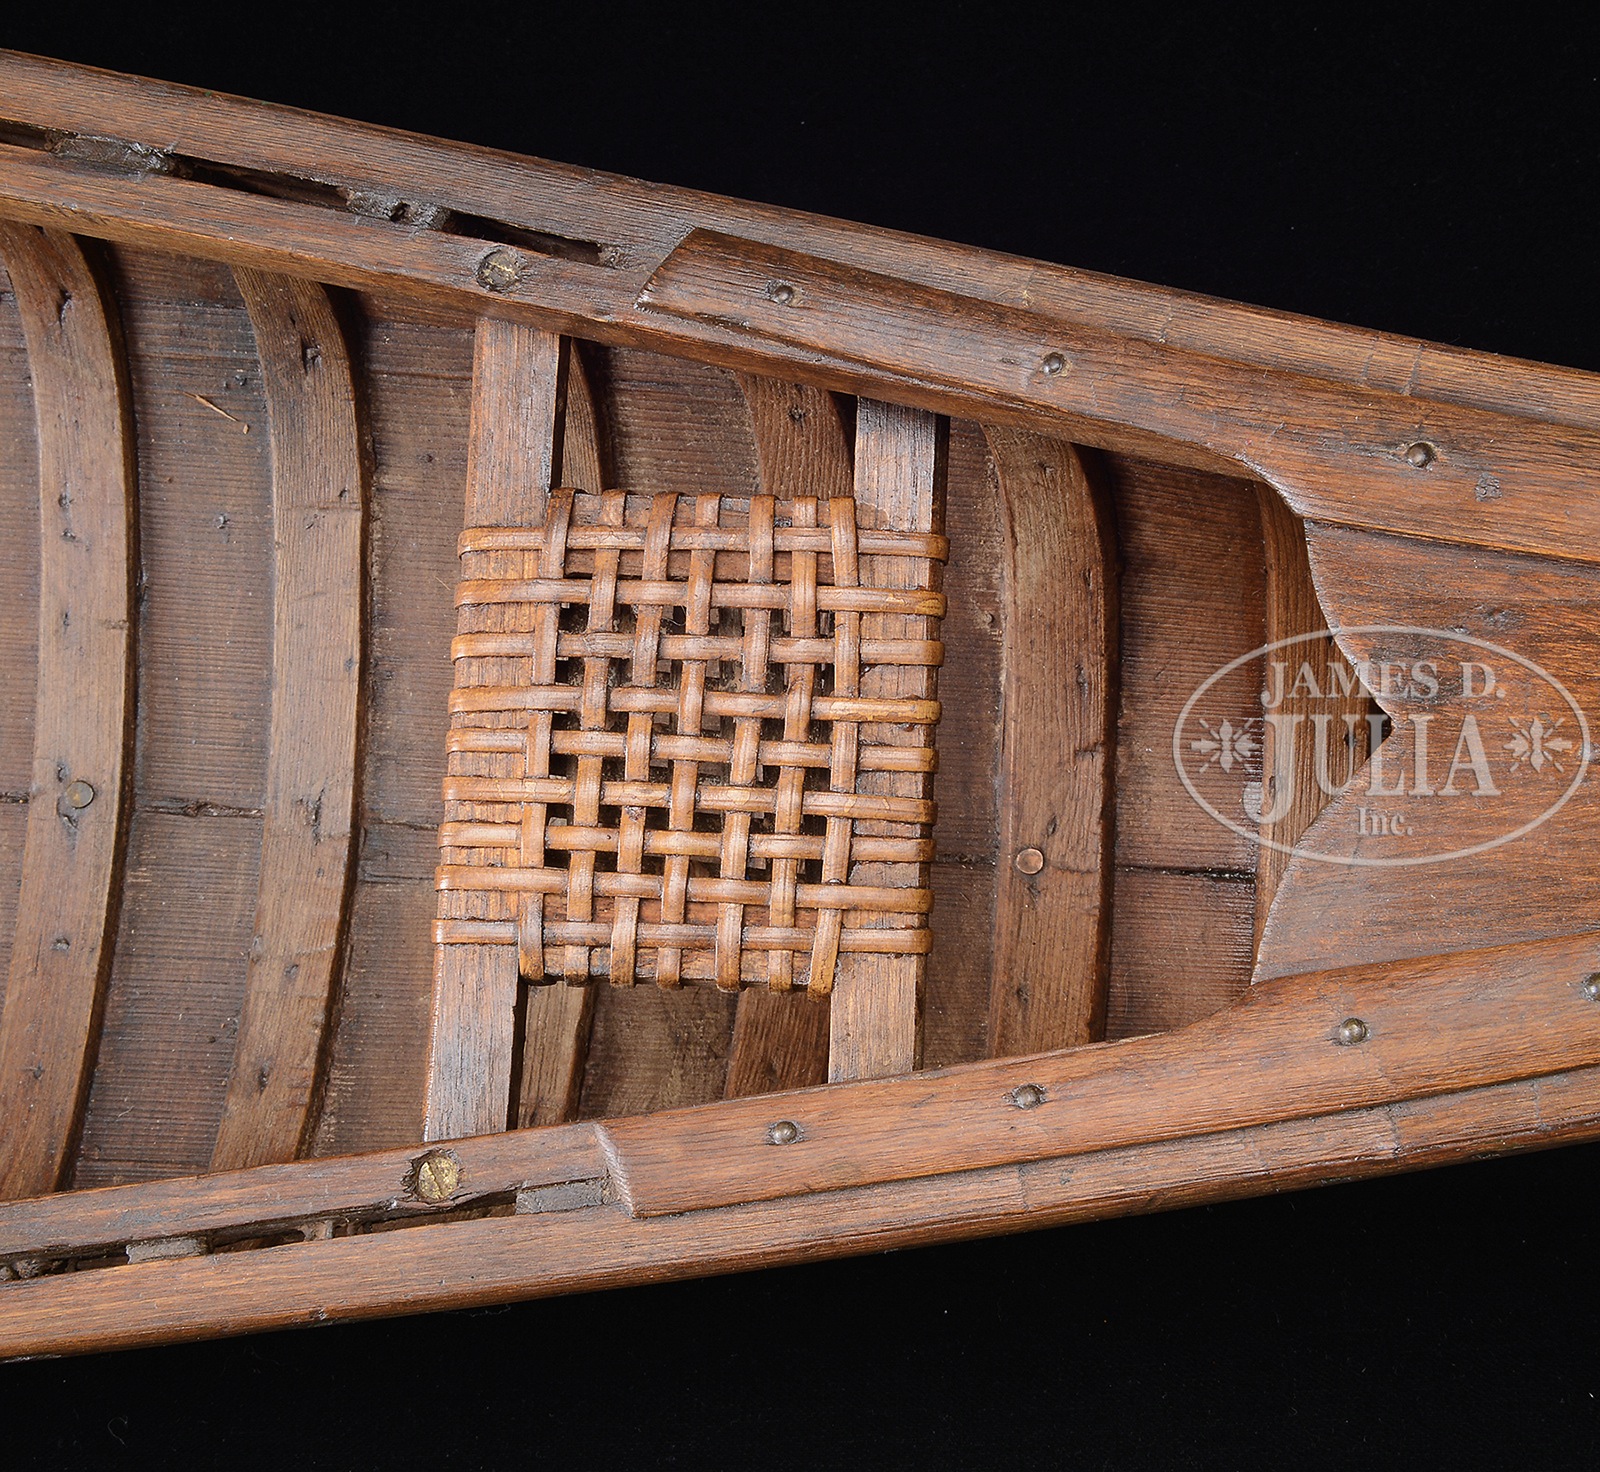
x,y
563,732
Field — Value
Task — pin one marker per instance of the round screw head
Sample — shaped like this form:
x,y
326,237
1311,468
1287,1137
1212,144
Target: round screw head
x,y
1027,1096
435,1176
1029,861
784,1132
500,269
1590,986
783,294
80,794
1053,364
1421,454
1349,1032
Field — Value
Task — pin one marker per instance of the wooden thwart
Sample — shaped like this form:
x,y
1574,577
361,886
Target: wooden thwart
x,y
318,517
72,855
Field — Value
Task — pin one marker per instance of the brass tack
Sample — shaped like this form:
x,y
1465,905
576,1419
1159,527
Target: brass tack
x,y
1053,364
1029,861
1421,454
1591,986
783,294
1027,1096
1350,1032
500,269
435,1176
80,794
784,1132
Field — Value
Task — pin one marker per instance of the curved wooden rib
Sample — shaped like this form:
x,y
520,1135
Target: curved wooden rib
x,y
780,1041
1058,715
1292,609
67,909
318,506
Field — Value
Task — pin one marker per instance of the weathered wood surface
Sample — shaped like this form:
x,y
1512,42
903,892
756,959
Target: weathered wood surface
x,y
1279,1054
318,516
1331,441
1192,597
415,377
71,865
1292,612
1058,713
899,485
781,1041
511,459
498,1258
264,1198
1539,610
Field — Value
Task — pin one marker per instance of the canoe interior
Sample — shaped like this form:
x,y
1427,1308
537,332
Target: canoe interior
x,y
1189,556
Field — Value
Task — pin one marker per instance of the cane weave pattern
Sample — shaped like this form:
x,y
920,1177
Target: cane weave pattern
x,y
664,739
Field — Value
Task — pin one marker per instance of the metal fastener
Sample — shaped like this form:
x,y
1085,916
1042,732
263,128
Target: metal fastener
x,y
435,1176
1029,861
1590,986
784,1132
501,269
1054,363
1421,454
80,794
783,294
1349,1032
1027,1096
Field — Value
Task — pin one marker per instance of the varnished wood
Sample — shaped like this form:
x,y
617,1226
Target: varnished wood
x,y
874,1017
318,512
511,460
66,914
1058,717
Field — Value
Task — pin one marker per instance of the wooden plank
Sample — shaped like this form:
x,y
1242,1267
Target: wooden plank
x,y
515,429
318,504
657,1048
19,568
1181,948
66,914
1057,803
898,485
557,1020
781,1041
1423,1026
1537,610
414,380
1292,798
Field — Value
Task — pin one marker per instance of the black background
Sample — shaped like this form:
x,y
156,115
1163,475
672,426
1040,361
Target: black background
x,y
1432,174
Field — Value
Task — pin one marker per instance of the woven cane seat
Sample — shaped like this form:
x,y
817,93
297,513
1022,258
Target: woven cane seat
x,y
668,750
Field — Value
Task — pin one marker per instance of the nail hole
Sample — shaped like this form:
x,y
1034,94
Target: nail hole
x,y
1421,454
1027,1096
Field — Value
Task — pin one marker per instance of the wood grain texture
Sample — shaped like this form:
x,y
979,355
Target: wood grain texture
x,y
496,1259
415,383
1543,882
1293,796
781,1041
204,647
1058,713
319,505
899,485
1337,452
1432,1025
516,398
66,913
